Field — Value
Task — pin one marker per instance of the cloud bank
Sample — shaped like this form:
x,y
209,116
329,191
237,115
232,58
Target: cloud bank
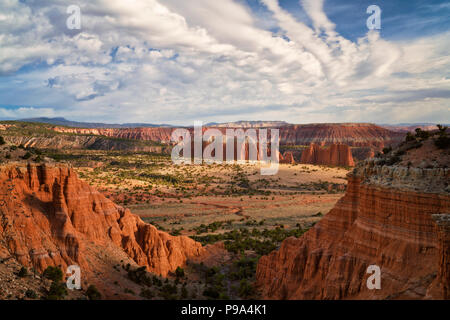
x,y
175,61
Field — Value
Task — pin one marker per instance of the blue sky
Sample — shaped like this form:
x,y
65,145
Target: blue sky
x,y
176,62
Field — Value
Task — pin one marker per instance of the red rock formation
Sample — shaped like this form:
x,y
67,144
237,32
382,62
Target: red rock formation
x,y
360,136
443,278
351,134
287,158
335,155
363,153
382,220
364,138
409,128
50,217
161,135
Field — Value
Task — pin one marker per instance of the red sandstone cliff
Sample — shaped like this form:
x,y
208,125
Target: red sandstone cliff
x,y
395,217
351,134
364,138
287,158
50,217
409,128
335,155
443,225
161,135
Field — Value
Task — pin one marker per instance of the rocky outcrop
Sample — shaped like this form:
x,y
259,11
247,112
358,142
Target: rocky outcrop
x,y
443,277
393,217
351,134
50,217
335,155
287,158
250,124
365,139
409,128
363,153
90,142
160,135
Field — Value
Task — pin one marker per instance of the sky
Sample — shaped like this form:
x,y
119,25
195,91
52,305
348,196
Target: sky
x,y
178,61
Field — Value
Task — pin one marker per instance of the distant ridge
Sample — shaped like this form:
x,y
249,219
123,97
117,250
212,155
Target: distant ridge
x,y
411,127
249,124
59,121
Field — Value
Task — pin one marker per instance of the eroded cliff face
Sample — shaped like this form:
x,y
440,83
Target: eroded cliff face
x,y
334,155
365,139
287,158
384,219
161,135
351,134
91,142
48,217
443,279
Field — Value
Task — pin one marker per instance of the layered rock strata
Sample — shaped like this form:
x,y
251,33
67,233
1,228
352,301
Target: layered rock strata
x,y
334,155
49,217
392,217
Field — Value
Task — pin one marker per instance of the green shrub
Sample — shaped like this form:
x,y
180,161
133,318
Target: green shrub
x,y
30,294
2,141
387,150
57,291
211,292
27,156
53,273
184,293
146,293
23,272
245,289
169,292
92,293
409,137
140,276
441,128
422,134
156,281
443,140
179,272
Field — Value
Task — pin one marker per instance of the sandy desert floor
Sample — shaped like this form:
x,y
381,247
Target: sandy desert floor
x,y
179,199
234,211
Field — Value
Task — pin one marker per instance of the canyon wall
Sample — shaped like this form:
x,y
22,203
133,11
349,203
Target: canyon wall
x,y
365,139
91,142
160,135
391,216
334,155
443,223
351,134
410,128
287,158
49,217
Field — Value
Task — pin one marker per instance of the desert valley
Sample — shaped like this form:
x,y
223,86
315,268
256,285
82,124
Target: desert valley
x,y
226,159
110,200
